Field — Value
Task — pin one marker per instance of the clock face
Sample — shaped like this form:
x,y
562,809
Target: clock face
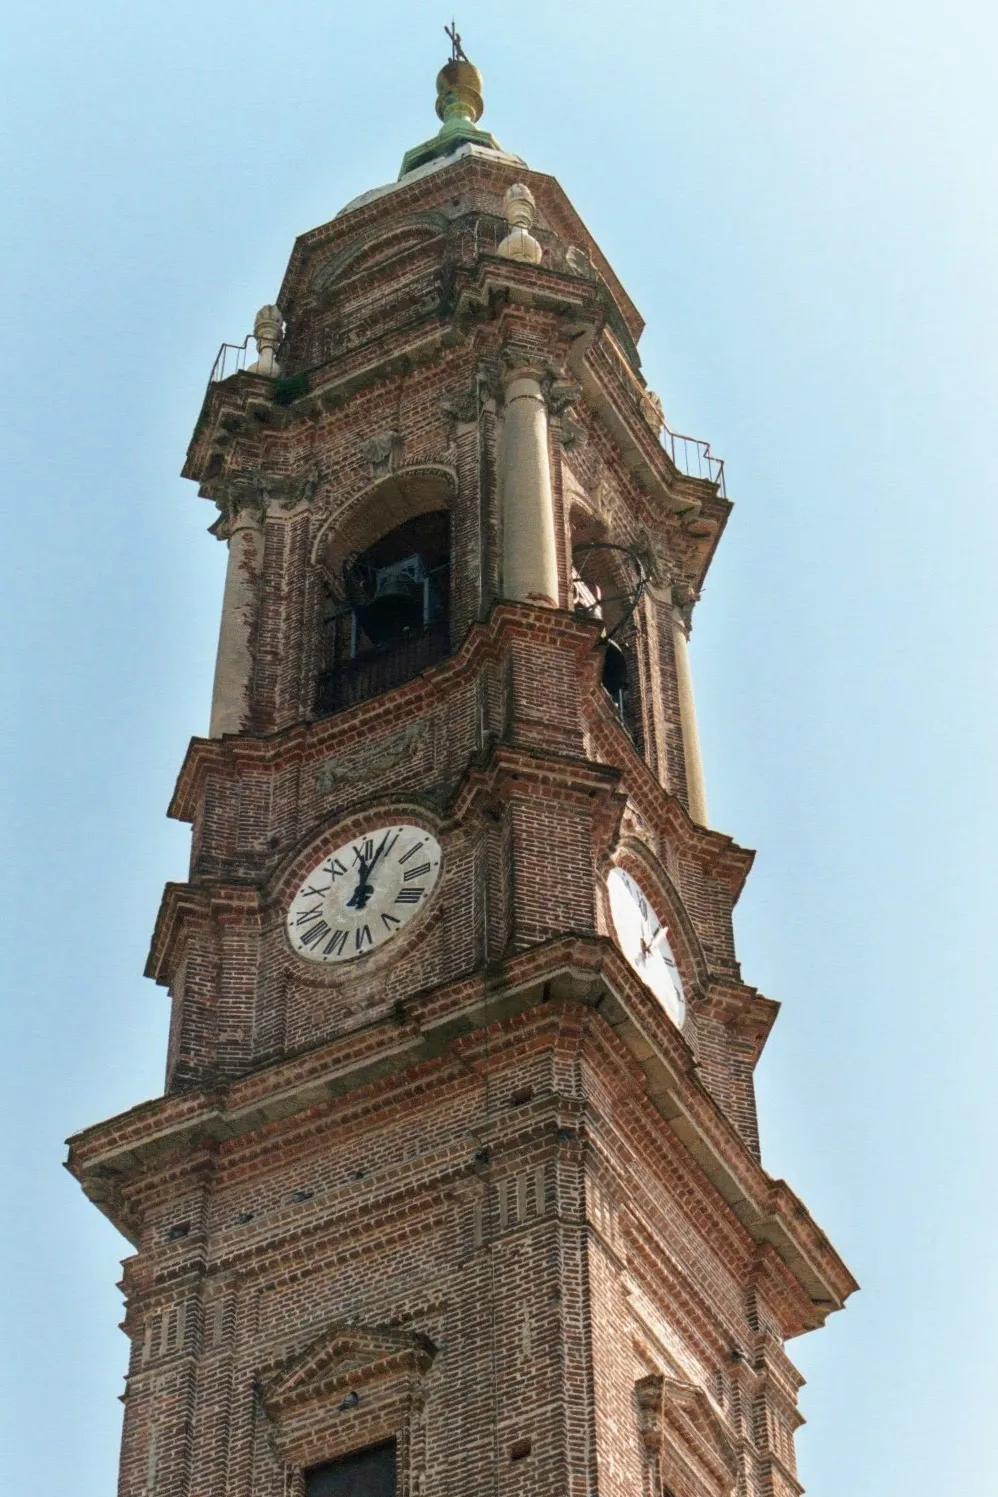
x,y
645,943
364,893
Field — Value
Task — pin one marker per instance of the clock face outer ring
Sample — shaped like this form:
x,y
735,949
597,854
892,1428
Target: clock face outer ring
x,y
644,940
363,893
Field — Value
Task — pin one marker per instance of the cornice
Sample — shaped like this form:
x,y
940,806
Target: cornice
x,y
588,972
307,743
405,199
185,904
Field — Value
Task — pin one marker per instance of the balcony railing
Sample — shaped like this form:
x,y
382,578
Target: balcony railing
x,y
692,456
381,667
231,360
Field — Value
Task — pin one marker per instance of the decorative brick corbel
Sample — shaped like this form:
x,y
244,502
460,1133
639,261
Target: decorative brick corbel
x,y
648,1392
383,452
461,406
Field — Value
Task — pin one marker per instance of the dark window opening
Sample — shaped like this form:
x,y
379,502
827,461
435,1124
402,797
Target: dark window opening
x,y
620,682
607,583
364,1473
396,618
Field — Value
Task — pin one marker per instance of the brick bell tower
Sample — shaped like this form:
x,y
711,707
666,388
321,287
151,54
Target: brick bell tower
x,y
455,1185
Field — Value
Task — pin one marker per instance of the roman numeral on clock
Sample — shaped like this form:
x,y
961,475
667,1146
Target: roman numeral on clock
x,y
363,852
419,872
315,933
389,920
361,935
413,849
334,946
334,868
307,915
409,896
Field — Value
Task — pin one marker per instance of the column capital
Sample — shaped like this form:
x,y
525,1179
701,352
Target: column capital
x,y
250,497
520,363
557,388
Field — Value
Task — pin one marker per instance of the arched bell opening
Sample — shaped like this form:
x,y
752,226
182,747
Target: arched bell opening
x,y
607,583
390,616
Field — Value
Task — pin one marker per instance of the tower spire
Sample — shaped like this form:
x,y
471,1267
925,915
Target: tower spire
x,y
459,107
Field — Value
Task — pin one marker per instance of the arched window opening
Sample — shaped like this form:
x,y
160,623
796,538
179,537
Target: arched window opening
x,y
607,583
395,617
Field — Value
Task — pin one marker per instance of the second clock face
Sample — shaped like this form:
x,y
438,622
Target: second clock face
x,y
645,943
364,893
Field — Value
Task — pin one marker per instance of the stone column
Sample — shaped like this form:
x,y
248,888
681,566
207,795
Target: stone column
x,y
230,700
695,793
530,557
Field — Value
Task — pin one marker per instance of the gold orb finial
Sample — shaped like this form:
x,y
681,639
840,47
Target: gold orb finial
x,y
459,85
459,92
460,106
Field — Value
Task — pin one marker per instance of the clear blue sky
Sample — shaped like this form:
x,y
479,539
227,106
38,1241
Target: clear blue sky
x,y
801,200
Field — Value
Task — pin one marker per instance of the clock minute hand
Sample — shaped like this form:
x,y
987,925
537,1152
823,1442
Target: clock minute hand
x,y
358,899
364,890
377,855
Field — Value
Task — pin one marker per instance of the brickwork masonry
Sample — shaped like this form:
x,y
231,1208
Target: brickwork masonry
x,y
474,1192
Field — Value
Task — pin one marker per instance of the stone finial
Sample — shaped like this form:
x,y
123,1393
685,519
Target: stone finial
x,y
652,411
521,210
268,327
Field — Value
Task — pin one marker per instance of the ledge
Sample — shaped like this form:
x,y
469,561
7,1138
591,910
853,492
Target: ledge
x,y
588,972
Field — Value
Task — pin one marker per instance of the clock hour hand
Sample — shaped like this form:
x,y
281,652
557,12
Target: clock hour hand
x,y
365,888
358,899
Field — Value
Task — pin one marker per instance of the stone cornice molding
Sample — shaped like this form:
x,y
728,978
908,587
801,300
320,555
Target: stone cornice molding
x,y
585,971
415,200
308,742
184,906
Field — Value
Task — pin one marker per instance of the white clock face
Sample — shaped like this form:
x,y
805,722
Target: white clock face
x,y
645,943
364,893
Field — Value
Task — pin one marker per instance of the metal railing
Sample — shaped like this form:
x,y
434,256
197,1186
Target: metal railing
x,y
693,457
231,360
380,668
482,234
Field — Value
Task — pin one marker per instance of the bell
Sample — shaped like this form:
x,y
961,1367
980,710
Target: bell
x,y
396,601
614,677
393,612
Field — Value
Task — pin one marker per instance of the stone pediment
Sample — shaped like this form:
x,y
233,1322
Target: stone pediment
x,y
680,1426
346,1357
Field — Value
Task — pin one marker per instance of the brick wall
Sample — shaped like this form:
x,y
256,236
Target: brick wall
x,y
473,1191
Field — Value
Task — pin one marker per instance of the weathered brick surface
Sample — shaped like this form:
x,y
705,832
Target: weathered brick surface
x,y
473,1192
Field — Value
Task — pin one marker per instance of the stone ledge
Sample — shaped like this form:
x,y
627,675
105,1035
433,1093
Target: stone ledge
x,y
586,972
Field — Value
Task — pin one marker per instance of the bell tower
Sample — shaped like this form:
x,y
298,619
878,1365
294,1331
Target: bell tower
x,y
455,1184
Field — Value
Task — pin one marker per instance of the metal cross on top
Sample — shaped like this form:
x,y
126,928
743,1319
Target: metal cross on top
x,y
458,53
